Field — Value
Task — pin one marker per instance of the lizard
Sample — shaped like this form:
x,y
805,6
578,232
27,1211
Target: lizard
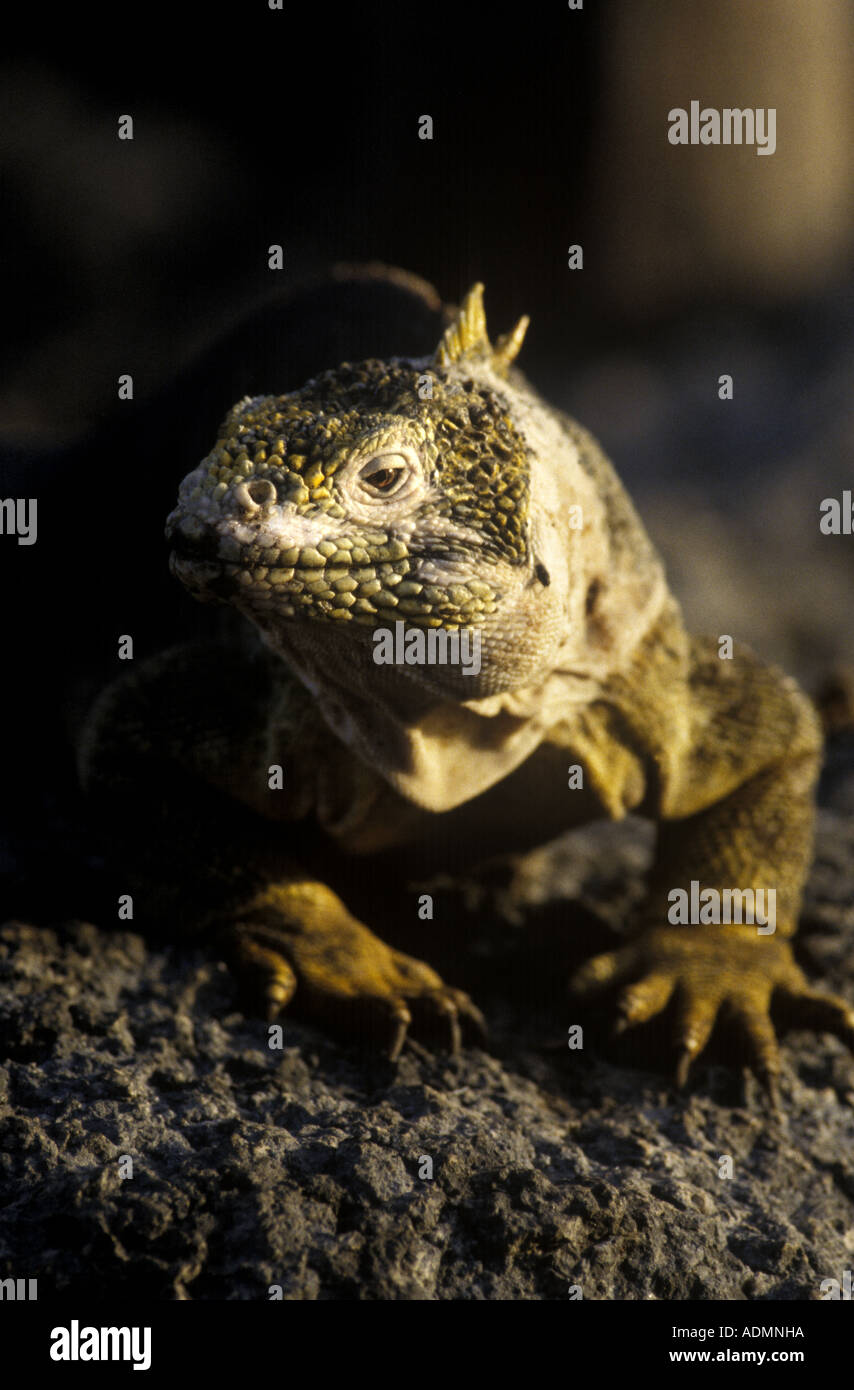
x,y
443,495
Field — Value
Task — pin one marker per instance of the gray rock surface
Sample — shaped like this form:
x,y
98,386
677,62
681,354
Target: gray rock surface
x,y
302,1166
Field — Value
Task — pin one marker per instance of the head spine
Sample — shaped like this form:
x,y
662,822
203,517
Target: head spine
x,y
466,338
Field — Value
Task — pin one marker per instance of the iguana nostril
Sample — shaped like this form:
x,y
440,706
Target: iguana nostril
x,y
261,491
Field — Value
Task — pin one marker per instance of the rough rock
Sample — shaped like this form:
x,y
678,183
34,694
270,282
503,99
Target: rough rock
x,y
304,1167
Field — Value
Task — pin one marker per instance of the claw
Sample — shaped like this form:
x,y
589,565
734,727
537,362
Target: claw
x,y
266,975
695,1020
472,1018
456,1040
401,1021
270,1009
438,1014
683,1066
769,1081
276,995
757,1030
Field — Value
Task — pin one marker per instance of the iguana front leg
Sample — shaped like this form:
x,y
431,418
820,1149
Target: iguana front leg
x,y
178,755
732,751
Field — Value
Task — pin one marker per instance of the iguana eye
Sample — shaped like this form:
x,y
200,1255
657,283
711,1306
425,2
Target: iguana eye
x,y
383,474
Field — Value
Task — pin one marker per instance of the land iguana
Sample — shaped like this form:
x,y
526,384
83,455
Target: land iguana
x,y
443,494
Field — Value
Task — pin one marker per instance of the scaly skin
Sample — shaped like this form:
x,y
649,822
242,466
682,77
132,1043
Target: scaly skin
x,y
446,494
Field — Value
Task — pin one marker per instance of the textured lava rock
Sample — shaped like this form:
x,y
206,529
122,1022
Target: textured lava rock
x,y
305,1167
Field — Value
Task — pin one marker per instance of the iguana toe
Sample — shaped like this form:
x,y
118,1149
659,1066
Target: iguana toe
x,y
749,1017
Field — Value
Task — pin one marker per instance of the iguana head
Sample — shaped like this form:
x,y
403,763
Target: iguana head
x,y
378,492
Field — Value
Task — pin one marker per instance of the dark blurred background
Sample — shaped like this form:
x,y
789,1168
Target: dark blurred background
x,y
300,127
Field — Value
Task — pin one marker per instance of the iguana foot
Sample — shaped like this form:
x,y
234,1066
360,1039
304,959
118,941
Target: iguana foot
x,y
728,974
343,976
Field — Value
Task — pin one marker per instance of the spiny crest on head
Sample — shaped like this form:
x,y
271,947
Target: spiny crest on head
x,y
466,337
